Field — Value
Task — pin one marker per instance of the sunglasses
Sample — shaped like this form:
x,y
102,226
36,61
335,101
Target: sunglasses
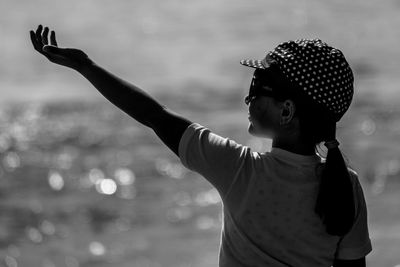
x,y
257,88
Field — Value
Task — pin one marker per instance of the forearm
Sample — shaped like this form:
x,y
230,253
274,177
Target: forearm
x,y
128,97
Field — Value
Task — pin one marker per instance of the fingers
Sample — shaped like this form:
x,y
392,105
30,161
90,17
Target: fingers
x,y
53,38
36,39
38,33
40,39
33,39
44,36
36,44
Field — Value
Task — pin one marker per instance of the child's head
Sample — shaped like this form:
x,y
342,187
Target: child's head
x,y
314,69
306,73
279,111
298,93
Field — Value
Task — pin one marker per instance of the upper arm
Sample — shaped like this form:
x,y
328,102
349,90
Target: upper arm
x,y
218,159
350,263
169,127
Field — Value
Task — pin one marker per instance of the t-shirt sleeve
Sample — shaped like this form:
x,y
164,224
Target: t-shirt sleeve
x,y
356,243
218,159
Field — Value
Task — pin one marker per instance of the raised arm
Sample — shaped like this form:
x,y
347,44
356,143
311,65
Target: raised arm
x,y
168,125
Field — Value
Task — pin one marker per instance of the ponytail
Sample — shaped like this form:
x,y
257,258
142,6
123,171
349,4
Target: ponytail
x,y
335,202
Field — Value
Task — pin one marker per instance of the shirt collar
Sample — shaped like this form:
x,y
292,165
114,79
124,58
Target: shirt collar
x,y
282,153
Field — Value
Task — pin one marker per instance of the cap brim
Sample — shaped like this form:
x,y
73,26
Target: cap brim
x,y
254,63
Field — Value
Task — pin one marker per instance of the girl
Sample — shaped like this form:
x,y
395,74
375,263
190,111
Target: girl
x,y
286,207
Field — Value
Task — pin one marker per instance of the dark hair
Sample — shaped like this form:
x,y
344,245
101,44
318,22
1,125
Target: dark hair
x,y
335,203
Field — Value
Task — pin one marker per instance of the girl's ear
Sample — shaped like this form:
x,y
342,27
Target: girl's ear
x,y
288,107
288,111
285,112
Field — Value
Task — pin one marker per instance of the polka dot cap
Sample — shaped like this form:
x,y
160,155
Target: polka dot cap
x,y
317,68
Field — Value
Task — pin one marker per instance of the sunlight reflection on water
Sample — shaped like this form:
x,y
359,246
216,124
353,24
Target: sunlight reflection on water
x,y
56,181
178,214
106,186
10,261
167,168
33,234
11,161
47,227
209,197
124,176
97,248
79,176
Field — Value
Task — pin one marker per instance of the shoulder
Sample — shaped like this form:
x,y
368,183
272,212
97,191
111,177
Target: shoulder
x,y
355,179
352,171
353,174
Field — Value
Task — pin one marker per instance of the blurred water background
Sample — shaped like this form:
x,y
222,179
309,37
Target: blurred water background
x,y
83,184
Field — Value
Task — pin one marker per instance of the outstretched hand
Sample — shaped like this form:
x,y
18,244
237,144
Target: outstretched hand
x,y
69,57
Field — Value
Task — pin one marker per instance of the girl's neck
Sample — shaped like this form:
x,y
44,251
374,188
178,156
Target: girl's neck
x,y
298,148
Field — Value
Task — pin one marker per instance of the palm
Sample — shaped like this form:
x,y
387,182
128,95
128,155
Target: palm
x,y
69,57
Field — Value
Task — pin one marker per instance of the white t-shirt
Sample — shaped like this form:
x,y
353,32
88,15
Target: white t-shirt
x,y
268,204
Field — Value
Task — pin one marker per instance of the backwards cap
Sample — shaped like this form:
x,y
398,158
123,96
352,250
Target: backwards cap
x,y
318,69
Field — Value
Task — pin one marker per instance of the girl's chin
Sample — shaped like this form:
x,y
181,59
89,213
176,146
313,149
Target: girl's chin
x,y
253,124
254,130
251,129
